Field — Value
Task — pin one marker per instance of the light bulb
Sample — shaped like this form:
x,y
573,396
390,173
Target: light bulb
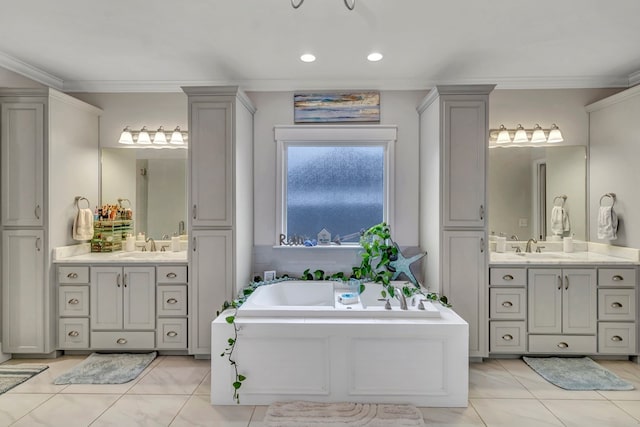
x,y
307,57
520,136
374,56
538,134
160,138
176,137
555,135
143,137
126,137
503,136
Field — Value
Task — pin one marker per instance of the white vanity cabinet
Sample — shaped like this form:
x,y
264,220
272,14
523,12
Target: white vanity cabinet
x,y
617,329
454,134
73,307
508,310
171,293
23,302
220,203
42,132
123,307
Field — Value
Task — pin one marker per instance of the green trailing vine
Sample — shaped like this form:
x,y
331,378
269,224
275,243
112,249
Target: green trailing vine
x,y
377,254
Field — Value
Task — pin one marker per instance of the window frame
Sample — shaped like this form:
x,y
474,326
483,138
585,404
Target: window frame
x,y
331,135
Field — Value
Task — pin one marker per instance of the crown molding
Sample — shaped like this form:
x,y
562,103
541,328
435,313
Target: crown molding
x,y
613,99
634,78
29,71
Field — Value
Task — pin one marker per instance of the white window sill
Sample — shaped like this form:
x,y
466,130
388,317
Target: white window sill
x,y
332,246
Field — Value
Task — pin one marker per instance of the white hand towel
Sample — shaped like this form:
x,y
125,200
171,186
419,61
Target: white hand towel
x,y
557,226
607,223
83,225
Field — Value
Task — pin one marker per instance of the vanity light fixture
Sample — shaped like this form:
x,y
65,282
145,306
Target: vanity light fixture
x,y
521,137
160,138
153,139
538,134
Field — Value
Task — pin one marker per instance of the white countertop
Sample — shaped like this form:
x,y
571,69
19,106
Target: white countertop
x,y
80,254
558,258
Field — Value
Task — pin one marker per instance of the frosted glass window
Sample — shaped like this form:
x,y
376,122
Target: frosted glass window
x,y
340,188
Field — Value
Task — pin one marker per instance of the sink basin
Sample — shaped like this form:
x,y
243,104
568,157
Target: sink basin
x,y
545,255
153,255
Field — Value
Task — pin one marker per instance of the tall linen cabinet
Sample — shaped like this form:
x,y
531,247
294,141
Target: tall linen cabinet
x,y
220,203
453,227
49,155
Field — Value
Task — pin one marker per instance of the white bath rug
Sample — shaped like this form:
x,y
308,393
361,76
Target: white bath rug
x,y
313,414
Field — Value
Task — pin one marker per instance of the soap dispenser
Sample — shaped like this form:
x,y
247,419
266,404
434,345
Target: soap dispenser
x,y
175,243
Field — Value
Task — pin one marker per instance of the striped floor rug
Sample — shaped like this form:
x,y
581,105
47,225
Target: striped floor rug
x,y
13,375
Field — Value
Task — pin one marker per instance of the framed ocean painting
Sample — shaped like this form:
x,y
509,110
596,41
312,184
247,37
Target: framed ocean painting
x,y
363,107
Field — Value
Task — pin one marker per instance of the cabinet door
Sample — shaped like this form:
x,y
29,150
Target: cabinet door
x,y
23,305
464,283
211,159
212,284
106,298
139,287
545,301
22,140
464,156
579,301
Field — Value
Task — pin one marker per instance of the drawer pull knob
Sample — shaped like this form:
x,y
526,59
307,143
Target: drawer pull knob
x,y
617,278
76,333
74,301
616,338
507,277
121,341
507,337
172,334
172,275
172,301
507,304
563,345
72,275
616,305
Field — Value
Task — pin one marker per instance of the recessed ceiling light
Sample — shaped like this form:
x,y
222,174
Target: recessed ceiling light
x,y
374,56
307,57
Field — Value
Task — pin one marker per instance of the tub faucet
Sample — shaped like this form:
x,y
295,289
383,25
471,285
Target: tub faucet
x,y
401,297
528,248
152,247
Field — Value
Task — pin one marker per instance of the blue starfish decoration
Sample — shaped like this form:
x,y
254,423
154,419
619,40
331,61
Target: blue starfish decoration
x,y
402,264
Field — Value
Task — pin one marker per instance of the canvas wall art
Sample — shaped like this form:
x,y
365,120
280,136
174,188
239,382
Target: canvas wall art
x,y
363,107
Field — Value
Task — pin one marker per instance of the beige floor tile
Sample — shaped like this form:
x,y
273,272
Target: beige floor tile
x,y
67,410
43,382
257,419
628,371
450,417
538,386
491,380
589,413
141,410
630,407
198,411
205,386
515,412
15,406
171,379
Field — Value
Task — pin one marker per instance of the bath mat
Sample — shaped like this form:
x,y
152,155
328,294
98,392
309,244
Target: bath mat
x,y
107,369
576,373
13,375
312,414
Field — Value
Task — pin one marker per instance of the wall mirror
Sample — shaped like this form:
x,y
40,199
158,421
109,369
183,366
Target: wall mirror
x,y
524,184
155,183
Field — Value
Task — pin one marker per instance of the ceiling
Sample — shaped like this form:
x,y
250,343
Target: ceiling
x,y
139,46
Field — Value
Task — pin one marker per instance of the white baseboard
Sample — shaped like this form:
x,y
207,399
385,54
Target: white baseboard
x,y
4,356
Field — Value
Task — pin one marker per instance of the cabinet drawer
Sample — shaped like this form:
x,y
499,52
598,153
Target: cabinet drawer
x,y
123,340
616,304
73,300
561,344
508,277
172,300
172,333
616,338
508,337
617,277
172,274
73,333
73,274
508,303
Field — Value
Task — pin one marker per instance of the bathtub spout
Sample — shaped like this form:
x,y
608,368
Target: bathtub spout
x,y
401,297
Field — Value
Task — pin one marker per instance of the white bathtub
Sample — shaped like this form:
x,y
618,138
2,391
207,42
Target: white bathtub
x,y
303,298
296,343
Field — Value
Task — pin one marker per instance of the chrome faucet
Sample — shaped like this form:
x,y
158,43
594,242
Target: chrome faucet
x,y
401,297
152,247
528,248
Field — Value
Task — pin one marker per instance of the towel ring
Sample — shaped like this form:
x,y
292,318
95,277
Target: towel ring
x,y
562,198
80,198
610,195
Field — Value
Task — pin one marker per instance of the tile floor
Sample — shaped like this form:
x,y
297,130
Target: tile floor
x,y
174,391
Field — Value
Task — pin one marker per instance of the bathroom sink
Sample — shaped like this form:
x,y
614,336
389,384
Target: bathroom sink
x,y
545,255
138,255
